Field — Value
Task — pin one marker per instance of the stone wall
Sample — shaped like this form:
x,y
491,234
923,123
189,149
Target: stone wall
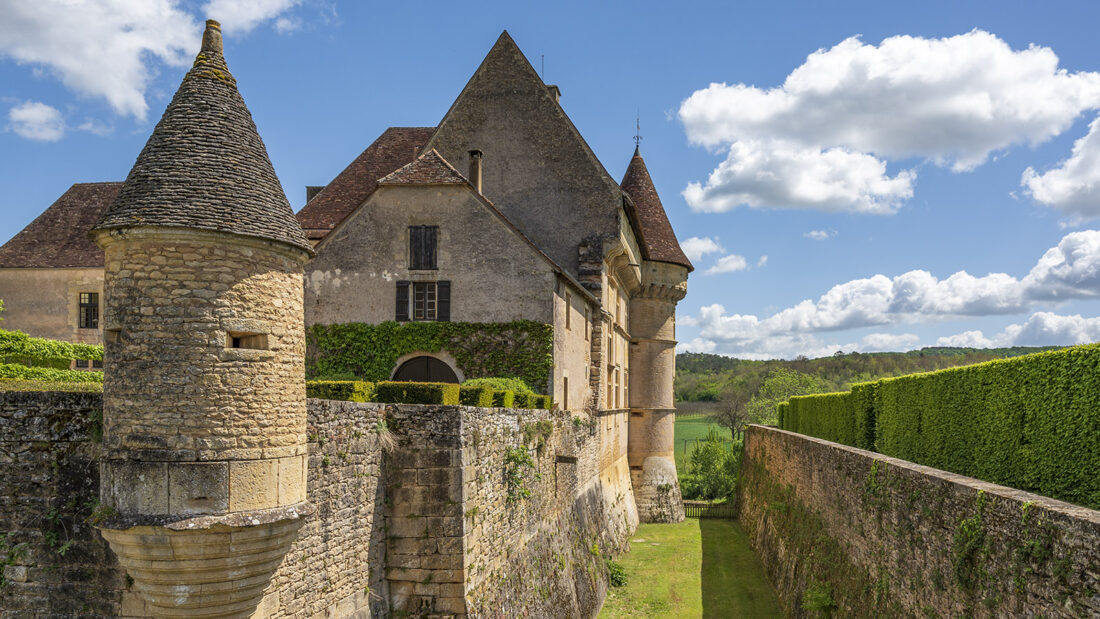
x,y
435,523
54,563
846,530
46,302
497,512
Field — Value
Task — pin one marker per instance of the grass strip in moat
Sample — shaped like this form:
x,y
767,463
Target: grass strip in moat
x,y
697,568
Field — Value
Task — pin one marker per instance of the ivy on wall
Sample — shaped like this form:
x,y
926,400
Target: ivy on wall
x,y
522,348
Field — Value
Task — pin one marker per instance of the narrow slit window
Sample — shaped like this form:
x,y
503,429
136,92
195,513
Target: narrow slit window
x,y
251,341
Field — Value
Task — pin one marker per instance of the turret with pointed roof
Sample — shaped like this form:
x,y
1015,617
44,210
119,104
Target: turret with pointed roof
x,y
205,165
658,241
204,409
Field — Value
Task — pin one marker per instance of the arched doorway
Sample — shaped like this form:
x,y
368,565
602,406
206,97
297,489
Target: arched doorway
x,y
425,369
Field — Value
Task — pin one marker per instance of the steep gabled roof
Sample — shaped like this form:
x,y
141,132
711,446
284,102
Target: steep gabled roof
x,y
396,147
428,169
657,238
58,237
205,165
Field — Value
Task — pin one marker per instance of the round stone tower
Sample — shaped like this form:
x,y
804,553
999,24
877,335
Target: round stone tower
x,y
204,464
651,431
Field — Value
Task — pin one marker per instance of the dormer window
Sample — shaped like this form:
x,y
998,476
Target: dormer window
x,y
422,247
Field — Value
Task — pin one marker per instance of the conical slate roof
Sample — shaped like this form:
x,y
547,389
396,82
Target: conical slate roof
x,y
658,239
205,165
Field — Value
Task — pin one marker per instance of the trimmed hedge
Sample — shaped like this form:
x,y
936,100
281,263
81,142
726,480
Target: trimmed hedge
x,y
504,399
524,400
16,346
480,396
15,370
542,401
14,384
1030,422
346,390
522,348
416,393
501,383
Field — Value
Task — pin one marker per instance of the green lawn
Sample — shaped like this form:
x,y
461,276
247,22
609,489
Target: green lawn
x,y
698,568
692,426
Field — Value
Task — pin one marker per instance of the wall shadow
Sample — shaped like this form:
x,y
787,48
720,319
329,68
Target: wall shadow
x,y
732,578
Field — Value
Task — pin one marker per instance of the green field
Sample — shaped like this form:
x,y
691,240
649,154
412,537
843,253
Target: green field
x,y
691,426
697,568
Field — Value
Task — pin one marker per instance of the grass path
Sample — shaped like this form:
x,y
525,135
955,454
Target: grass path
x,y
697,568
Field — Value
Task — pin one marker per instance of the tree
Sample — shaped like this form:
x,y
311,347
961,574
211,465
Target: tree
x,y
779,386
731,410
712,468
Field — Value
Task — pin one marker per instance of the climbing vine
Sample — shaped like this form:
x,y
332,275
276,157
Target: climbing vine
x,y
522,349
516,462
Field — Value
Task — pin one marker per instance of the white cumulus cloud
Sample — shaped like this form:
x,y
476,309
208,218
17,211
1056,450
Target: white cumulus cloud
x,y
1040,329
831,127
1070,270
237,16
697,247
111,49
763,261
729,264
36,121
1073,187
889,342
818,235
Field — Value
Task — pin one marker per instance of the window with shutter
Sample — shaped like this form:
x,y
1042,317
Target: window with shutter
x,y
402,314
422,247
89,311
443,301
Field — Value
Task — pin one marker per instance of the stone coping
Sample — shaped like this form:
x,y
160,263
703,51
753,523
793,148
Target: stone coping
x,y
204,522
1069,510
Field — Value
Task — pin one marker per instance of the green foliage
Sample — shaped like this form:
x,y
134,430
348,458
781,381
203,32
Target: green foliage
x,y
524,400
18,347
501,383
476,395
969,548
521,348
344,390
542,401
504,399
15,370
416,393
1028,422
713,467
13,384
616,574
818,597
517,460
537,432
780,385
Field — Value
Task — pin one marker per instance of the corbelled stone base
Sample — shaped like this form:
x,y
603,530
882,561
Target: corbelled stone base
x,y
657,491
214,566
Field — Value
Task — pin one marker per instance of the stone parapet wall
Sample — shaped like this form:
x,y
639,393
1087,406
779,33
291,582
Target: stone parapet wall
x,y
860,534
439,500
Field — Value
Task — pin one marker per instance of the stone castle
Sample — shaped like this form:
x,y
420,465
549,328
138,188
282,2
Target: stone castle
x,y
223,492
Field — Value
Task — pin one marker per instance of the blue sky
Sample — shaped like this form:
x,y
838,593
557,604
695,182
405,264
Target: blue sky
x,y
886,158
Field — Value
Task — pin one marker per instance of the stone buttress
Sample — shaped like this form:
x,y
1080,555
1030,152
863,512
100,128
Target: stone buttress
x,y
664,273
204,466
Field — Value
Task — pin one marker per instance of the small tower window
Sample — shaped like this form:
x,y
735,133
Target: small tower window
x,y
89,311
253,341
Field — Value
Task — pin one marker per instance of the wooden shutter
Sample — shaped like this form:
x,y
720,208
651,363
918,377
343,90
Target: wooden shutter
x,y
443,301
402,313
429,246
422,247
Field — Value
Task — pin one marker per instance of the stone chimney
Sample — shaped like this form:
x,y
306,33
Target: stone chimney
x,y
312,191
555,92
475,169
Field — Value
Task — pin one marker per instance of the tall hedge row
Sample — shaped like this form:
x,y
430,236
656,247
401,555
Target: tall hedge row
x,y
1030,422
18,347
522,348
422,393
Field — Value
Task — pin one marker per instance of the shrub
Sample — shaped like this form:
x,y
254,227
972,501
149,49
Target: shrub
x,y
15,370
12,384
345,390
616,574
713,466
18,347
477,395
542,401
514,384
504,398
416,393
524,400
1028,422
